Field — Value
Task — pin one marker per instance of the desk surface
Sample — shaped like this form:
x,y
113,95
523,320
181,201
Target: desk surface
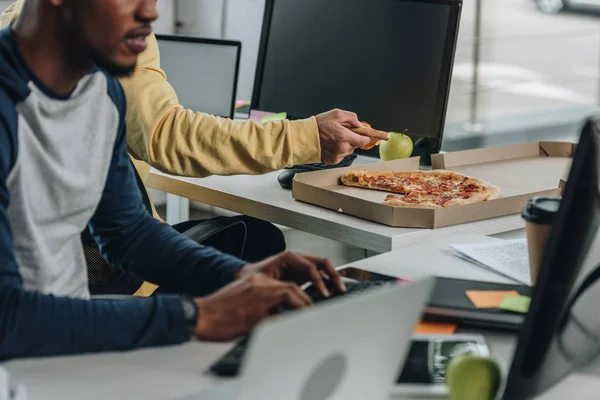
x,y
262,197
176,372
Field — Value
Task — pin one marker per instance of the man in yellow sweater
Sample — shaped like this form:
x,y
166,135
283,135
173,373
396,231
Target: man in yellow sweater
x,y
164,135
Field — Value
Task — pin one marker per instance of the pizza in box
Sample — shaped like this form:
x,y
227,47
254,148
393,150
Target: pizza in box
x,y
424,189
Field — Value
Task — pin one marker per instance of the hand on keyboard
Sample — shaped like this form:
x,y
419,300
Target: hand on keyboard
x,y
353,288
237,308
291,267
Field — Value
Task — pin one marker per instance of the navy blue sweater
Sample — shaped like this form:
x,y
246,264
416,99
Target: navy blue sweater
x,y
64,165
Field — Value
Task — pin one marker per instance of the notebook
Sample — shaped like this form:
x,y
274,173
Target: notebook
x,y
449,303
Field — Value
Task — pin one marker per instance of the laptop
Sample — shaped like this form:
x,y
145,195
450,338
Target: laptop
x,y
349,348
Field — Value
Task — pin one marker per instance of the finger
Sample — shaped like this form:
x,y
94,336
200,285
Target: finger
x,y
325,265
348,118
285,295
301,295
372,133
309,270
354,139
294,297
272,289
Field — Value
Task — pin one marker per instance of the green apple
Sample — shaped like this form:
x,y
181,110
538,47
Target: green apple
x,y
473,378
398,146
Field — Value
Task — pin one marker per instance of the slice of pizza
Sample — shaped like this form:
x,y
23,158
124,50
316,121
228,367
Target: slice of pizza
x,y
375,135
385,181
424,189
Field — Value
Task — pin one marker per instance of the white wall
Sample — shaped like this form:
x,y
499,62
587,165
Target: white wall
x,y
244,23
202,18
166,20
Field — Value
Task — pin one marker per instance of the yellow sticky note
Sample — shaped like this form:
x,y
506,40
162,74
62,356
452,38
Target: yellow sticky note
x,y
435,328
489,298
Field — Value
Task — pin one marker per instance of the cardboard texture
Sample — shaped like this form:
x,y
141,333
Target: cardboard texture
x,y
520,171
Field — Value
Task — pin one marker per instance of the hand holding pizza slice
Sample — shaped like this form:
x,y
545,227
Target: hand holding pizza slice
x,y
375,135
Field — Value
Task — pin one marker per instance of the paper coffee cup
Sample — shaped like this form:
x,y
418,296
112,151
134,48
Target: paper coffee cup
x,y
539,215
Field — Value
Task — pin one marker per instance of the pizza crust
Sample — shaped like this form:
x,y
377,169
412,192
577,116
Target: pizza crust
x,y
494,192
397,202
475,198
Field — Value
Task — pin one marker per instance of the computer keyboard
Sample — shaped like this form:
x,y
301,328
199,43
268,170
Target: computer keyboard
x,y
230,363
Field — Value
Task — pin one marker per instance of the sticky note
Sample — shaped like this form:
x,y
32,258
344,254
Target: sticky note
x,y
489,298
518,304
274,117
434,328
242,103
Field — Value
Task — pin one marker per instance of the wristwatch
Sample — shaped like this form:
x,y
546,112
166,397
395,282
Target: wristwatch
x,y
190,312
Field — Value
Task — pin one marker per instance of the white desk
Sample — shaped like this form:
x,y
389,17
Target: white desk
x,y
262,197
175,372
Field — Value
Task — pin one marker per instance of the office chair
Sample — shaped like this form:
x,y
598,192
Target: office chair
x,y
107,279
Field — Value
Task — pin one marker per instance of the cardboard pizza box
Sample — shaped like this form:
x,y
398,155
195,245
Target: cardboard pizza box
x,y
520,171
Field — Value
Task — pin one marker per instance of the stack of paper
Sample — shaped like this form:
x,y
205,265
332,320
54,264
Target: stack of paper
x,y
509,258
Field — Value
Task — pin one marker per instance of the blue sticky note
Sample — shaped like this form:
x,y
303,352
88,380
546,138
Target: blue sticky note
x,y
518,304
274,117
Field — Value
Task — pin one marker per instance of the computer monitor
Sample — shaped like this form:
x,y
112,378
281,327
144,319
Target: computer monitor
x,y
562,329
390,61
203,72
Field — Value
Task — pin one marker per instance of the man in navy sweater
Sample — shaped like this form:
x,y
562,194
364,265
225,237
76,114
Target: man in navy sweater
x,y
64,165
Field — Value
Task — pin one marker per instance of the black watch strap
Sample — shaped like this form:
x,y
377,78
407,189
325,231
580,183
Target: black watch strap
x,y
190,312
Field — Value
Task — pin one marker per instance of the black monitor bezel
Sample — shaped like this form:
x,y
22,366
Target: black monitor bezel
x,y
218,42
424,147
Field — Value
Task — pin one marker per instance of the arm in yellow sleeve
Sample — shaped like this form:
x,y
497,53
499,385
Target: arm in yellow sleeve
x,y
182,142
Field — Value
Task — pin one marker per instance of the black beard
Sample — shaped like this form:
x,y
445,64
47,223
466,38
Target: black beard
x,y
110,67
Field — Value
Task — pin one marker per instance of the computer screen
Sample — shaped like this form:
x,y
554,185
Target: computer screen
x,y
562,329
203,72
390,61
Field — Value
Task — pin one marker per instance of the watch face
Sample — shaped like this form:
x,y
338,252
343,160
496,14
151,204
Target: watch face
x,y
189,310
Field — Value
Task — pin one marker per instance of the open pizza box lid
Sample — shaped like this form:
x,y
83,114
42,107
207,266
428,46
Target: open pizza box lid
x,y
520,171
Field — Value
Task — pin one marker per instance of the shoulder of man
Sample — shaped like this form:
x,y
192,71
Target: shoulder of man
x,y
116,93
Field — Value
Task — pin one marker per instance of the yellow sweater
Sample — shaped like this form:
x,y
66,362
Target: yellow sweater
x,y
164,135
